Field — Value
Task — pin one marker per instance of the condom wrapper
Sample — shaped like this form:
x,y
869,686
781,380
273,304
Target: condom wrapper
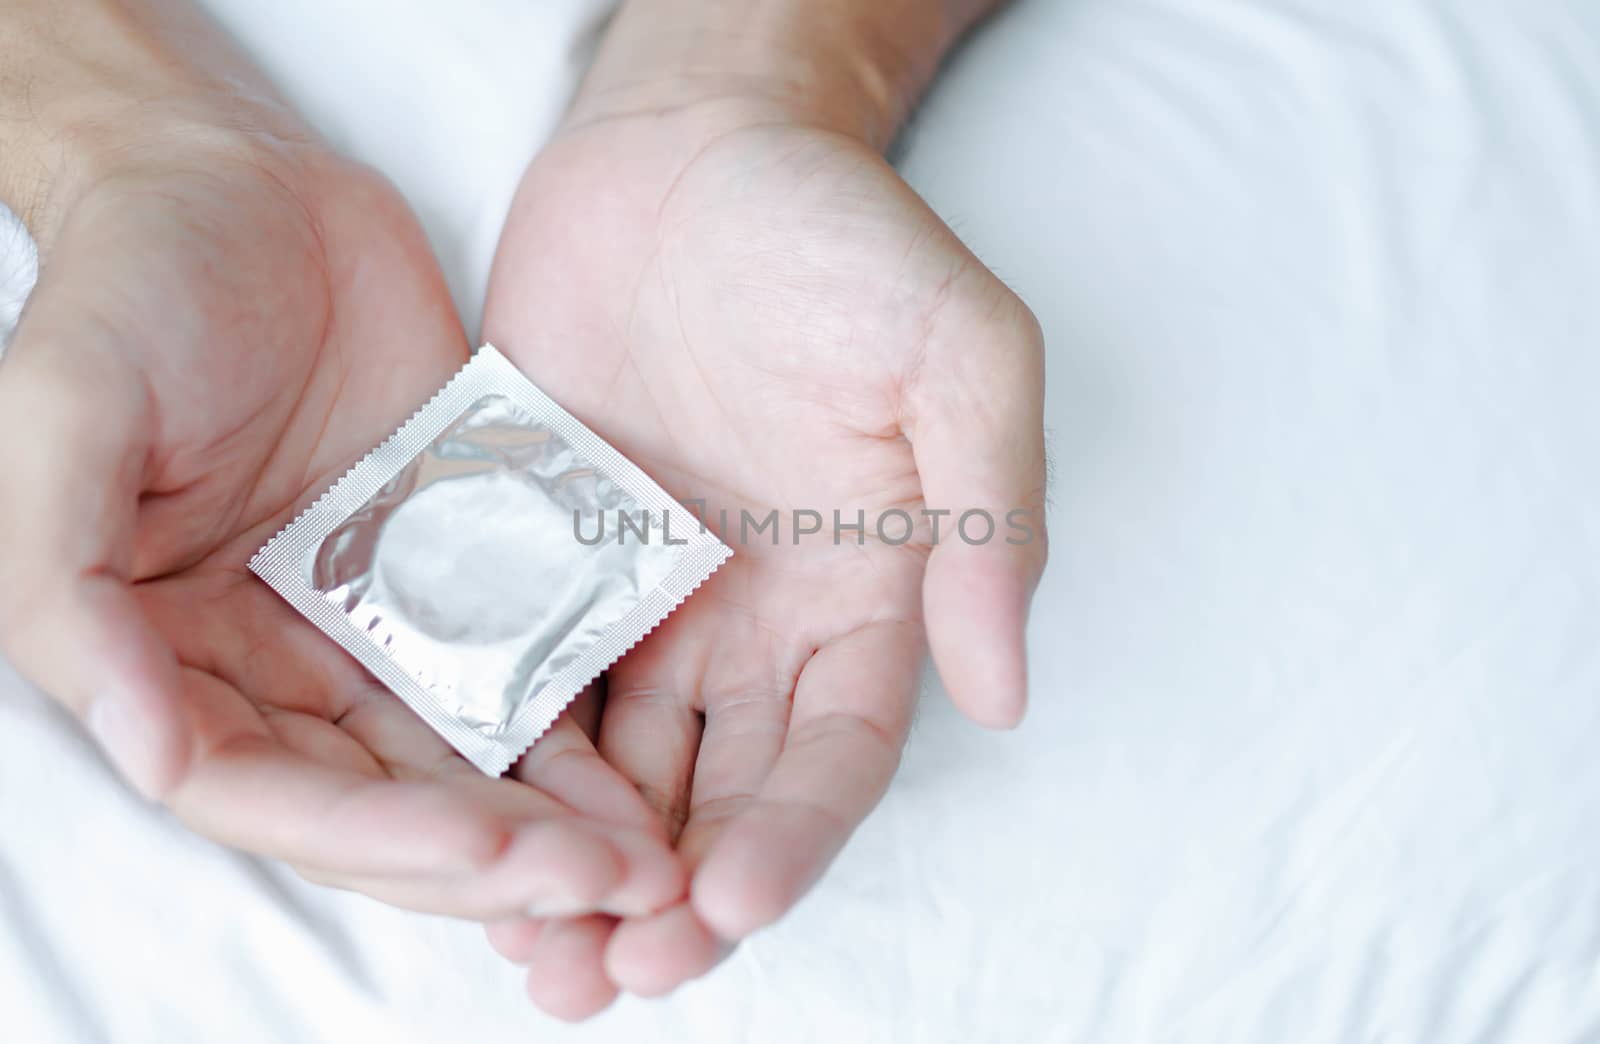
x,y
489,560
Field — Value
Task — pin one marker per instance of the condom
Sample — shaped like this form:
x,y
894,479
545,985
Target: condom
x,y
459,561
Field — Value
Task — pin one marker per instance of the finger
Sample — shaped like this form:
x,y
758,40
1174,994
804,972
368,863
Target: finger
x,y
647,877
377,735
410,749
376,730
584,712
743,737
852,709
514,937
650,730
566,974
565,765
322,741
652,956
745,732
763,825
975,418
239,630
77,420
247,790
560,865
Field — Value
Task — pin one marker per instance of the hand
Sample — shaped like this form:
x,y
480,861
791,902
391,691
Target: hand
x,y
764,316
229,316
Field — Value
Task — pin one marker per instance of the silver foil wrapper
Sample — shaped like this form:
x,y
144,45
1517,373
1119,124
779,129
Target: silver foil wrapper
x,y
459,561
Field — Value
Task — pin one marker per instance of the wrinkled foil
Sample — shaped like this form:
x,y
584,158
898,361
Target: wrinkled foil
x,y
466,569
449,561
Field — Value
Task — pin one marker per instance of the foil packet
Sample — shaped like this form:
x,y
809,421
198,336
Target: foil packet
x,y
457,561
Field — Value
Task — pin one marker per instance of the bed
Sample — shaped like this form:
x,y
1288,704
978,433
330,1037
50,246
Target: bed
x,y
1314,753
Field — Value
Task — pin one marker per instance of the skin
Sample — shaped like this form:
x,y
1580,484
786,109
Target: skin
x,y
712,265
228,316
740,292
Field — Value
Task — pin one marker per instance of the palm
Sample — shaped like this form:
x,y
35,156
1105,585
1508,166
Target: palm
x,y
748,324
279,323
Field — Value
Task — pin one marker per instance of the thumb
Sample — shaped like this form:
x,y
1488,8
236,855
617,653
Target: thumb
x,y
75,423
975,418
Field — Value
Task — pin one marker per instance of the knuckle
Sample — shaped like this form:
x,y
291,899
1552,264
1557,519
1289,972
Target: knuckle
x,y
990,340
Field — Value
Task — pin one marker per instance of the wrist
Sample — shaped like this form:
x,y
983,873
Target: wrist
x,y
853,67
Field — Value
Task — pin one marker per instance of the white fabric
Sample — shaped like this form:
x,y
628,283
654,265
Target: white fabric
x,y
1313,753
19,268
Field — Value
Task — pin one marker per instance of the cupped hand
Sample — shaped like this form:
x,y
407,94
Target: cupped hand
x,y
228,318
766,317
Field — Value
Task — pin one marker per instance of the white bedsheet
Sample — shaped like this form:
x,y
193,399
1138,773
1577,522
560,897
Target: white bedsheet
x,y
1315,750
